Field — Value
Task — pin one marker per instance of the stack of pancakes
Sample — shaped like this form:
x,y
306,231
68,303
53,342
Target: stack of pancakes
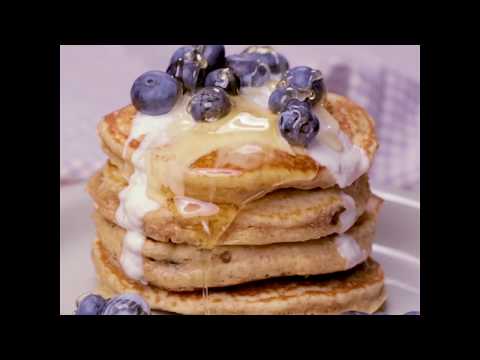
x,y
284,238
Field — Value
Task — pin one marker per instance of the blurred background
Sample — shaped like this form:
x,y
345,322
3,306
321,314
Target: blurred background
x,y
95,80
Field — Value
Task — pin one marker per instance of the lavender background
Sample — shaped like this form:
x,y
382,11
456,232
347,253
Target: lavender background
x,y
95,80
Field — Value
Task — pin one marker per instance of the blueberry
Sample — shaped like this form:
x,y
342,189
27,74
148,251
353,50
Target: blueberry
x,y
279,99
90,305
180,53
298,125
190,53
302,77
412,313
126,304
307,83
215,56
249,70
266,54
190,64
209,104
190,74
154,93
224,78
210,57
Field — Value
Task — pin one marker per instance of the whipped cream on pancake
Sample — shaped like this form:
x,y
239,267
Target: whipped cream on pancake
x,y
333,149
349,249
134,201
261,94
349,215
134,204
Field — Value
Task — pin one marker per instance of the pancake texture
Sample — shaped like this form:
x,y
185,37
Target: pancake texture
x,y
183,267
276,169
287,215
359,289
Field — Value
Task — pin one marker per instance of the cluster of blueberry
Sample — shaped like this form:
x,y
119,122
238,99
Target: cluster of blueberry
x,y
125,304
211,77
299,89
205,68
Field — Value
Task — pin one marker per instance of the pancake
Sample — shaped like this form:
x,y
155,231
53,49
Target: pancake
x,y
287,215
233,215
359,289
218,173
182,267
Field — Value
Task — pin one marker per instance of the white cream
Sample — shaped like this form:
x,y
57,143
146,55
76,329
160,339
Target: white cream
x,y
131,258
350,215
349,249
134,201
134,204
346,163
261,94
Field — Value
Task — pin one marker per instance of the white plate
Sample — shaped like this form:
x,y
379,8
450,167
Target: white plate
x,y
397,248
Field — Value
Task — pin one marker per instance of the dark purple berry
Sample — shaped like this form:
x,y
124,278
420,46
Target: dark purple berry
x,y
266,54
155,93
91,305
209,104
126,304
190,64
279,99
298,125
249,70
224,78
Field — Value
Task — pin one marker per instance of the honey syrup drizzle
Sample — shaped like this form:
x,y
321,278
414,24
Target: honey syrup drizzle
x,y
206,266
240,139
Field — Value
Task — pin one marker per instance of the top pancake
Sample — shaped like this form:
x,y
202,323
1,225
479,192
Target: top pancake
x,y
267,170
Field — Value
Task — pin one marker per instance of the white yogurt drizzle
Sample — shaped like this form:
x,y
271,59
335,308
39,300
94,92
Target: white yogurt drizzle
x,y
261,94
349,249
350,215
346,164
134,201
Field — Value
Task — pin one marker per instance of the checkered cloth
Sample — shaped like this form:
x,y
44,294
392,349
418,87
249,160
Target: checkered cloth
x,y
393,100
390,97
